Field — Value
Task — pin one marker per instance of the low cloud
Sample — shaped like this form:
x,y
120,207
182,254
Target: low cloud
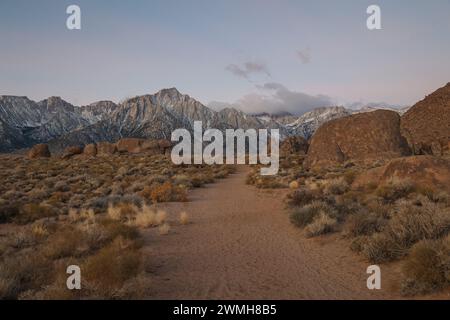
x,y
304,55
275,98
247,69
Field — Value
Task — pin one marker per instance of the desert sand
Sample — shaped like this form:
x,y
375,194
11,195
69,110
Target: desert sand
x,y
240,245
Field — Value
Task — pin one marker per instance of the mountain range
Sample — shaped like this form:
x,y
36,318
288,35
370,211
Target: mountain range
x,y
24,122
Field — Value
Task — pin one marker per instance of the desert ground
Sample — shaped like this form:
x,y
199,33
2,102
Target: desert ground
x,y
142,228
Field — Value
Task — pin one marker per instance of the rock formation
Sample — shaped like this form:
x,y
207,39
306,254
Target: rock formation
x,y
359,137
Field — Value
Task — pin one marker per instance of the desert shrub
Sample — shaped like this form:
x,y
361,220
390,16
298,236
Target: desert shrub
x,y
412,224
363,223
66,242
434,195
164,229
107,270
293,185
408,226
301,197
145,218
395,189
321,224
268,182
165,193
427,268
336,186
184,218
114,229
22,272
122,211
380,247
301,217
33,211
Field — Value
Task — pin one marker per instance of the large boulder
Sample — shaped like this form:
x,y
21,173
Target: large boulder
x,y
39,151
361,137
69,152
426,125
130,145
90,150
294,145
424,171
106,148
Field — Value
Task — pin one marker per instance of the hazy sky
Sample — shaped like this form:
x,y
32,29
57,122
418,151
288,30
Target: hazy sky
x,y
263,55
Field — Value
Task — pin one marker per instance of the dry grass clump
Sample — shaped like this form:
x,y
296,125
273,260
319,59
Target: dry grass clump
x,y
302,217
32,211
427,268
364,224
301,197
164,229
321,224
105,272
184,218
395,189
145,218
166,192
336,186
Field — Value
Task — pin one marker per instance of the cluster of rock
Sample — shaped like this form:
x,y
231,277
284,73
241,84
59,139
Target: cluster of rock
x,y
380,135
125,145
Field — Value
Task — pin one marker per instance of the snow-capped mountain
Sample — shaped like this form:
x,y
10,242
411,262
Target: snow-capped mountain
x,y
24,122
309,122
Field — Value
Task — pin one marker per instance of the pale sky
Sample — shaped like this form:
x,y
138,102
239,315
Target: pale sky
x,y
262,55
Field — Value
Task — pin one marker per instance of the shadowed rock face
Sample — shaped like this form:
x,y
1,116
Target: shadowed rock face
x,y
294,145
360,137
426,125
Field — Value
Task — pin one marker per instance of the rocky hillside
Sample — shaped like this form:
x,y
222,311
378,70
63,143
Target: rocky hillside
x,y
426,125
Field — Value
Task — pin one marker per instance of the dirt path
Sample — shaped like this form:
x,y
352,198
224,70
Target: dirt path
x,y
240,245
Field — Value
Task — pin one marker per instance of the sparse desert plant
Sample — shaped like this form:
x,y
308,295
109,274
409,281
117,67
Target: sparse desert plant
x,y
380,247
32,211
427,267
363,224
184,218
301,217
23,272
301,197
39,231
321,224
164,229
145,218
336,186
63,243
395,189
122,211
165,193
293,185
412,224
107,270
161,217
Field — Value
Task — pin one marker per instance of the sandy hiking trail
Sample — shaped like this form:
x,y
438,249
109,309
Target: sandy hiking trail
x,y
241,245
